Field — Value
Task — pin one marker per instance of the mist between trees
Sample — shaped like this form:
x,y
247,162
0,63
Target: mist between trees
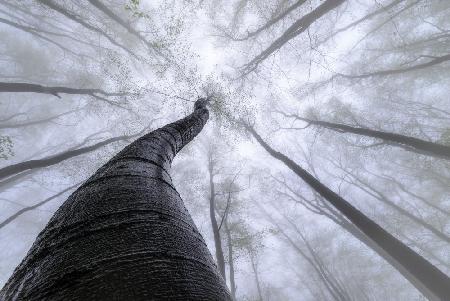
x,y
225,150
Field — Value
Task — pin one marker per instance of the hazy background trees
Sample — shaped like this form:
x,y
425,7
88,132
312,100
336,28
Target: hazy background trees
x,y
135,65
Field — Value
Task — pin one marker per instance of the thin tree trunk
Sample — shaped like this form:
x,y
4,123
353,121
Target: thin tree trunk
x,y
334,281
294,30
409,143
271,22
103,8
324,277
432,282
256,273
361,20
215,227
125,233
230,260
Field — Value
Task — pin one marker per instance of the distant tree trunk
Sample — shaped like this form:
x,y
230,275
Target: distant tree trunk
x,y
326,279
125,233
256,273
230,259
215,226
432,282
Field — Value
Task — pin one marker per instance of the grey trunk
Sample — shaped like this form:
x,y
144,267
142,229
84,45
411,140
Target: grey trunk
x,y
230,260
215,227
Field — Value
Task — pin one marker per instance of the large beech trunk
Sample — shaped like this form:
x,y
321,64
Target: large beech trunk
x,y
125,233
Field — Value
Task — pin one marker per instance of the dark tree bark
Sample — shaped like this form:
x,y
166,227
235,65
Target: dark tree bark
x,y
212,214
125,233
409,143
294,30
432,282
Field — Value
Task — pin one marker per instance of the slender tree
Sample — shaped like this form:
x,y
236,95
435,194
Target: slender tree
x,y
294,30
212,214
125,233
230,258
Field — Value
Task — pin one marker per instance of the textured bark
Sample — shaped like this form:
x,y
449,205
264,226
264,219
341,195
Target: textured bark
x,y
432,282
215,227
125,233
409,143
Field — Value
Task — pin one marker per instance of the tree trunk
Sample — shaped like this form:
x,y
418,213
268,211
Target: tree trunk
x,y
230,260
432,282
125,233
291,32
255,272
215,227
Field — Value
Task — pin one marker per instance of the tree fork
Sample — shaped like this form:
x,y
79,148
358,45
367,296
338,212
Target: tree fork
x,y
428,279
125,233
